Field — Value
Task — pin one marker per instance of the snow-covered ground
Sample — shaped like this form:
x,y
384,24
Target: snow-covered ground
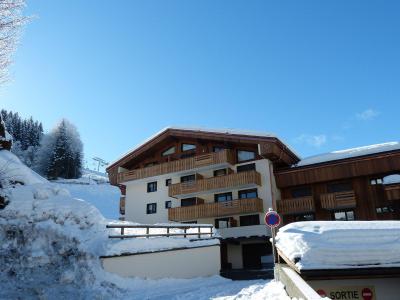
x,y
51,243
341,244
95,189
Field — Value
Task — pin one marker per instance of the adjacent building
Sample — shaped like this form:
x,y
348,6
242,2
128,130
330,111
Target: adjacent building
x,y
355,184
231,178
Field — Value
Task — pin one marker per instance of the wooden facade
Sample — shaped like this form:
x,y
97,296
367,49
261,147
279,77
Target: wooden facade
x,y
297,205
233,180
218,209
224,157
365,196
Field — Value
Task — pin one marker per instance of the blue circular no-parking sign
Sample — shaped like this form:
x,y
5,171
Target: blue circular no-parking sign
x,y
272,219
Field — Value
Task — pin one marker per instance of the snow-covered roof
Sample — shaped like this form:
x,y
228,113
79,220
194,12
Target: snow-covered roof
x,y
205,130
341,244
390,179
349,153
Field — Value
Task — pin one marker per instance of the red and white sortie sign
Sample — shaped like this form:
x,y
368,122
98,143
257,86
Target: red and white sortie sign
x,y
272,219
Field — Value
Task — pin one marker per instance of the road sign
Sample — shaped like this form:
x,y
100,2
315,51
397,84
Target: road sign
x,y
272,219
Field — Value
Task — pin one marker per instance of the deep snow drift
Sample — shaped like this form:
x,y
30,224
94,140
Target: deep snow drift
x,y
51,243
95,189
341,244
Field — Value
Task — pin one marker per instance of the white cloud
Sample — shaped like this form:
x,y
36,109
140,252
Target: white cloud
x,y
367,115
312,140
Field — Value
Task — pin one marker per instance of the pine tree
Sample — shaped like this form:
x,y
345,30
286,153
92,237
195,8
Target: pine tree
x,y
26,134
61,153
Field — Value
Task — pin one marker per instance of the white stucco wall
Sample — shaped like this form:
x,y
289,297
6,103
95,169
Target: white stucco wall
x,y
137,199
185,263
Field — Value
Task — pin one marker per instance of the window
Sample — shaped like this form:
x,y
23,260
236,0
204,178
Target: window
x,y
339,187
151,208
169,151
150,164
168,204
249,220
223,197
218,148
243,168
152,187
376,181
187,147
222,223
220,172
301,192
189,222
344,215
245,194
188,178
385,209
188,201
245,155
168,182
306,217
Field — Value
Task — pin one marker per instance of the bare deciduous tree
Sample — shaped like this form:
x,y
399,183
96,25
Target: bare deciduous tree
x,y
11,20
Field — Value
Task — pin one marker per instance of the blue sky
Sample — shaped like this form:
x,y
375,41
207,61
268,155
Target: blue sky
x,y
322,75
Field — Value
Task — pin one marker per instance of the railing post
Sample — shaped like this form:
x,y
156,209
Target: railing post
x,y
147,232
167,231
211,232
184,231
122,232
198,229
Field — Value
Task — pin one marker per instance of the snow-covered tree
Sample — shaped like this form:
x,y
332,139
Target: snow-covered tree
x,y
11,20
61,152
26,134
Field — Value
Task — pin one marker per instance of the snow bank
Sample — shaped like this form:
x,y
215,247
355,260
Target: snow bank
x,y
341,244
103,196
348,153
391,179
51,243
11,169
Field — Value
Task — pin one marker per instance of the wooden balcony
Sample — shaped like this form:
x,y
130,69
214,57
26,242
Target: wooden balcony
x,y
340,200
220,209
247,178
296,205
224,157
392,192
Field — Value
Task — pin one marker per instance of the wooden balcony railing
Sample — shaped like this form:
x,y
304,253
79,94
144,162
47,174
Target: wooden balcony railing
x,y
296,205
338,200
215,183
220,209
215,158
392,192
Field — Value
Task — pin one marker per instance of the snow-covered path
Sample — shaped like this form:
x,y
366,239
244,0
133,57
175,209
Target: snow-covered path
x,y
214,287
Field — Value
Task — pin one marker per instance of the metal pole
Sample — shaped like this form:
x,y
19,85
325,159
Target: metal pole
x,y
273,244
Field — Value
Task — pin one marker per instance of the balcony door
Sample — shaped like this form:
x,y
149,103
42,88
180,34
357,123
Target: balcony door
x,y
224,197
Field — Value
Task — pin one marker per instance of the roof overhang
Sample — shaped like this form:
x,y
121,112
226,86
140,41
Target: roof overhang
x,y
217,135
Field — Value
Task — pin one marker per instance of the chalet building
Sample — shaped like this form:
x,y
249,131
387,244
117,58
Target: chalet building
x,y
354,184
231,178
215,177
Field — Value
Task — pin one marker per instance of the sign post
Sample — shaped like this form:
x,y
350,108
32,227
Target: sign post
x,y
272,220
